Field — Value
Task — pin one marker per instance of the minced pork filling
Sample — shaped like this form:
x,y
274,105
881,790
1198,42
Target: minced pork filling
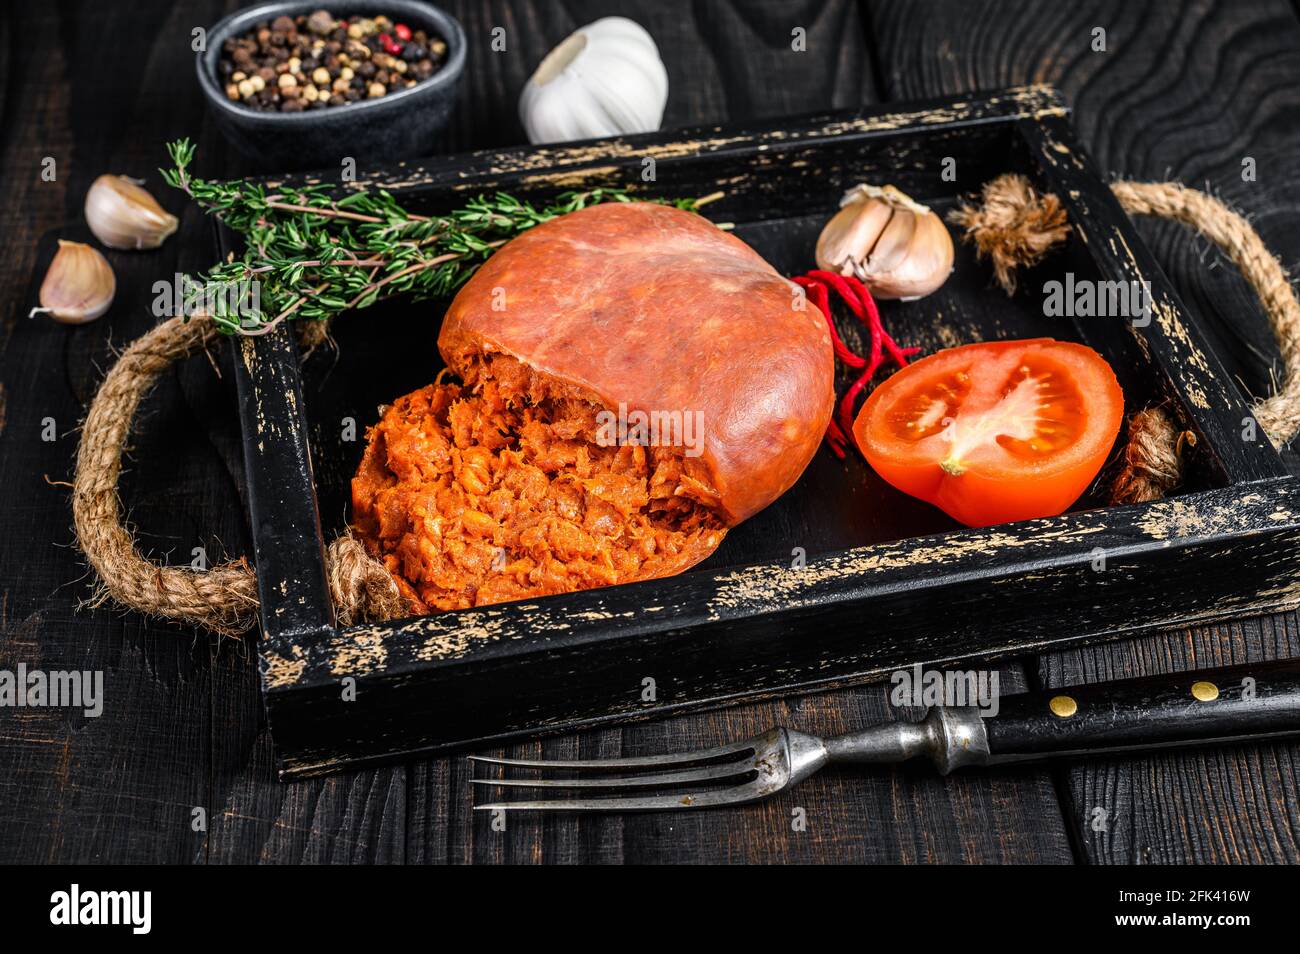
x,y
496,489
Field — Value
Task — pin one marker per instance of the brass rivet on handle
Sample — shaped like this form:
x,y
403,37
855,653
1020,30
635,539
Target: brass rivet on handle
x,y
1063,706
1205,691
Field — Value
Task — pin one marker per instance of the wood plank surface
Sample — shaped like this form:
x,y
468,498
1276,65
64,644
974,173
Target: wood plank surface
x,y
121,786
904,815
182,727
1186,91
100,87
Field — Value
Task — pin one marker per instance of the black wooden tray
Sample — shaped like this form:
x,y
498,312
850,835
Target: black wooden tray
x,y
888,582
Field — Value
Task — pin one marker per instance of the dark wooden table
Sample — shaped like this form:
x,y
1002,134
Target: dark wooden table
x,y
1184,90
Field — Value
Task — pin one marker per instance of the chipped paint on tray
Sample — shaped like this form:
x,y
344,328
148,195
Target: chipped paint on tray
x,y
756,586
363,649
279,671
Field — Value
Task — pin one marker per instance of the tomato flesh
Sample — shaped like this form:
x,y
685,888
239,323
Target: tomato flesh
x,y
995,432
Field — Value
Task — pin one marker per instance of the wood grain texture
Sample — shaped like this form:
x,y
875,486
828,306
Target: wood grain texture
x,y
121,786
725,58
1230,805
100,87
182,726
902,815
1186,90
1221,89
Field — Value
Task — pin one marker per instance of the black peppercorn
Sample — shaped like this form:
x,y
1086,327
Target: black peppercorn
x,y
315,61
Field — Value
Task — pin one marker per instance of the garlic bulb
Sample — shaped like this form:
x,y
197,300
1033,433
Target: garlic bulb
x,y
605,79
78,287
123,215
895,246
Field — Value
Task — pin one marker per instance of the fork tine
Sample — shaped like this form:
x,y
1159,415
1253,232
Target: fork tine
x,y
634,762
736,795
705,774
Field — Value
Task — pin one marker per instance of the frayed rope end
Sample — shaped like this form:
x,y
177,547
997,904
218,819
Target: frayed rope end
x,y
1152,464
1013,226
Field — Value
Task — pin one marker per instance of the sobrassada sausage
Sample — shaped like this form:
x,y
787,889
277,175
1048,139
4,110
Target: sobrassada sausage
x,y
505,486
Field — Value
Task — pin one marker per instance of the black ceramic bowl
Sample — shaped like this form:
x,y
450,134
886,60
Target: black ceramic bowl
x,y
396,126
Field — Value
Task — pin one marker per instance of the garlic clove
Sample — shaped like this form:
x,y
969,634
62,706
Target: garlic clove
x,y
123,215
896,246
931,262
893,246
78,287
850,235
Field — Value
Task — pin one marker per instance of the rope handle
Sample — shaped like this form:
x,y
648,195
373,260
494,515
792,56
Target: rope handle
x,y
1278,415
1014,226
1152,465
223,598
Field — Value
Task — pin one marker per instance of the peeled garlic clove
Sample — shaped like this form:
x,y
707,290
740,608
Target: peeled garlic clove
x,y
123,215
79,285
897,247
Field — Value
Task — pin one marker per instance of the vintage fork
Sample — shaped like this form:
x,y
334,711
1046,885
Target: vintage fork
x,y
1225,705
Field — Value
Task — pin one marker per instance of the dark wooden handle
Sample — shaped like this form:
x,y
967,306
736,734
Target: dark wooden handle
x,y
1253,701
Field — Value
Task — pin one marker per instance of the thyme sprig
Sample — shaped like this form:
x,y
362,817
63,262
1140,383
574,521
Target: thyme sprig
x,y
310,255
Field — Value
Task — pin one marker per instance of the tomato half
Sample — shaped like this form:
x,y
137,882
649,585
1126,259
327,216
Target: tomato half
x,y
991,433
